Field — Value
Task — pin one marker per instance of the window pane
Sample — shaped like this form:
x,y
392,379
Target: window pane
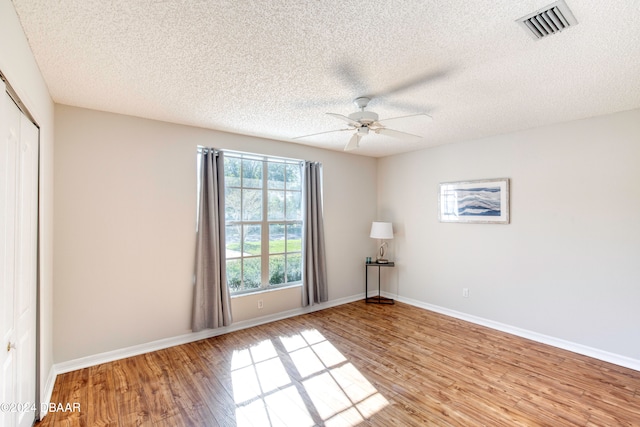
x,y
252,205
252,173
276,238
232,205
294,268
262,194
276,205
231,172
294,237
276,269
234,275
294,182
252,273
232,237
294,205
252,239
276,175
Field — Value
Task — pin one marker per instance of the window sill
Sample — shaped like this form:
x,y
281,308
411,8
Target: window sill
x,y
264,291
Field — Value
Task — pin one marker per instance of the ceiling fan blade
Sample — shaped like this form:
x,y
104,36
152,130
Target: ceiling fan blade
x,y
425,115
350,77
323,103
396,133
320,133
416,81
410,107
353,142
346,119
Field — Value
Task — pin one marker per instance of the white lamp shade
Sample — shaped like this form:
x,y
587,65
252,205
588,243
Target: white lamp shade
x,y
381,230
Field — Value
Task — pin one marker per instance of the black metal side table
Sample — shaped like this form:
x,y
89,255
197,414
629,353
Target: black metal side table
x,y
379,299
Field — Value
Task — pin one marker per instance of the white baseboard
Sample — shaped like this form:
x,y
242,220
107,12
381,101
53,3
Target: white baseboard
x,y
110,356
584,350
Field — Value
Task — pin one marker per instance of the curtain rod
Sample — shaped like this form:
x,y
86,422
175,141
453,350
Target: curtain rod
x,y
244,154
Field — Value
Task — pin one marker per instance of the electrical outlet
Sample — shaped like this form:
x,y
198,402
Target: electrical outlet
x,y
465,292
260,304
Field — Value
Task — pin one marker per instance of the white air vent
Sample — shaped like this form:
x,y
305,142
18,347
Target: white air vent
x,y
548,20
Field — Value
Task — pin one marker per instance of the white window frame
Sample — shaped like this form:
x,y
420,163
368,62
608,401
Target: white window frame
x,y
264,223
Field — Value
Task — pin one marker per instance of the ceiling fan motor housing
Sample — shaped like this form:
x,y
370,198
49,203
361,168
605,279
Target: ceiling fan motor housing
x,y
364,117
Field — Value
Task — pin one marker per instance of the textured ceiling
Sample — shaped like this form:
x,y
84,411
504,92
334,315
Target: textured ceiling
x,y
274,68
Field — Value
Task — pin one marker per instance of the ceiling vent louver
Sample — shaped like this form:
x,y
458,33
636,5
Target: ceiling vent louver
x,y
548,20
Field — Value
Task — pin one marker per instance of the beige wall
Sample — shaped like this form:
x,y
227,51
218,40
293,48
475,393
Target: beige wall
x,y
568,264
125,228
19,66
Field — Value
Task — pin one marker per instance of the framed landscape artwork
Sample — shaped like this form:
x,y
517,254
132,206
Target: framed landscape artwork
x,y
484,201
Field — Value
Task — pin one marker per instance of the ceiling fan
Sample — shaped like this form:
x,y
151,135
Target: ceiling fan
x,y
362,122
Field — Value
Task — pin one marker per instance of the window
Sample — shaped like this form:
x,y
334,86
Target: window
x,y
263,217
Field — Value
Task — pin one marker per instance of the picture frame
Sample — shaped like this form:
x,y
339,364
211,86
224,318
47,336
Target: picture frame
x,y
484,201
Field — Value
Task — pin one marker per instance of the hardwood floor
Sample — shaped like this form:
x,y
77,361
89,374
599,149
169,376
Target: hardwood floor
x,y
355,364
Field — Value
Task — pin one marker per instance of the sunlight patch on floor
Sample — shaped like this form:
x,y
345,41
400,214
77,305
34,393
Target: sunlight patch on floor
x,y
300,380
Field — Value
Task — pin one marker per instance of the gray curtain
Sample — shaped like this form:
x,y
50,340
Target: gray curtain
x,y
211,299
314,272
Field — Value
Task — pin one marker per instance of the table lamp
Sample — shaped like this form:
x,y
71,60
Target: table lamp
x,y
381,230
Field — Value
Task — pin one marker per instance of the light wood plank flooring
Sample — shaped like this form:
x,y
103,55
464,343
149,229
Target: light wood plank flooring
x,y
355,364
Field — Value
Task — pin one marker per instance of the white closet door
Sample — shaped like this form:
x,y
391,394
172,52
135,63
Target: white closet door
x,y
27,268
8,179
18,262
